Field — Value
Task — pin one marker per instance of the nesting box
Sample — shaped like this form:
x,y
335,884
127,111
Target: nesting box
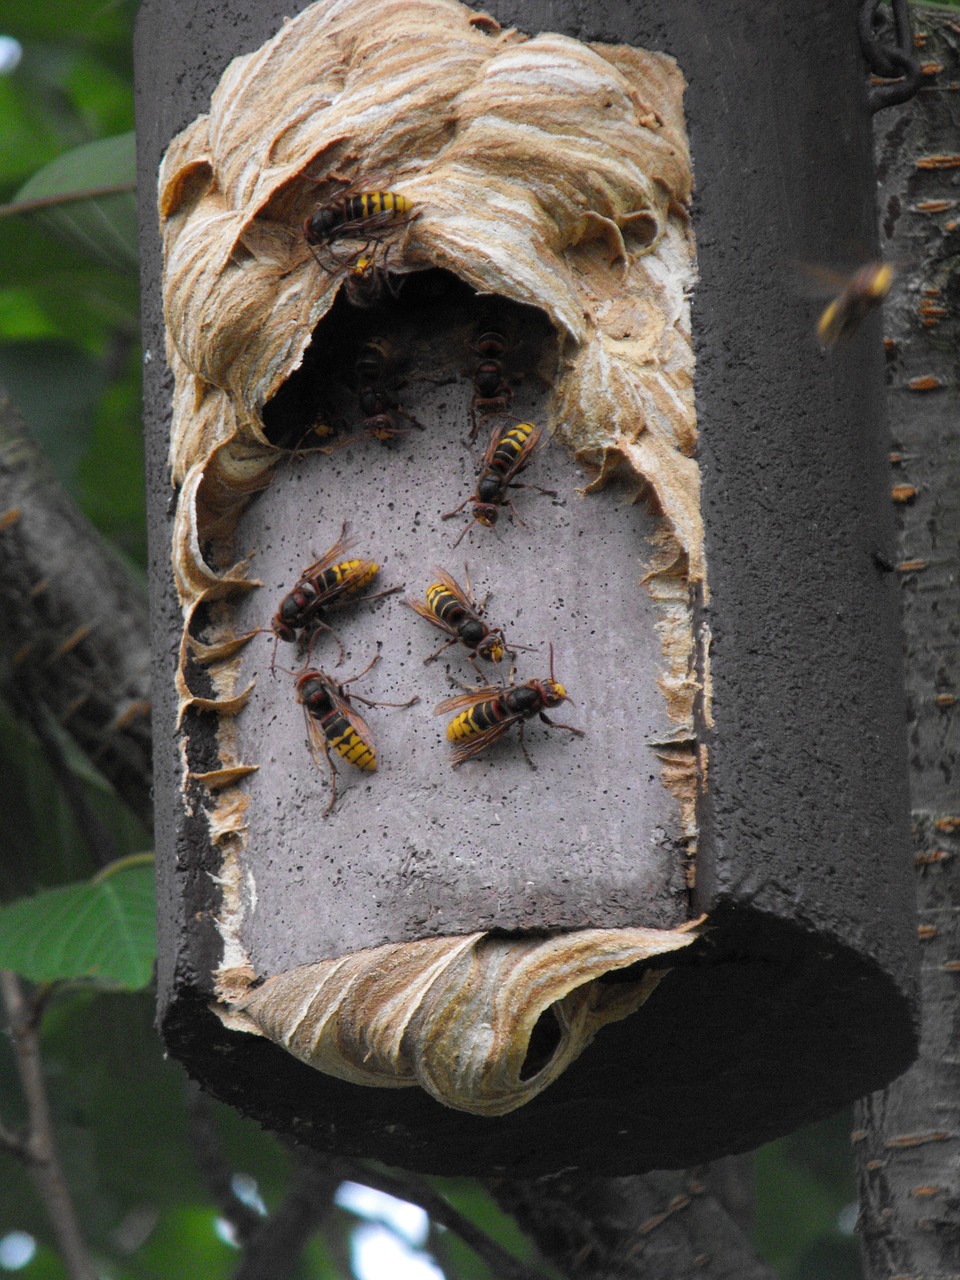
x,y
460,360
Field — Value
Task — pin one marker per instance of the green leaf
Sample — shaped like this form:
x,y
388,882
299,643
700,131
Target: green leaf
x,y
111,473
190,1234
22,316
57,386
41,843
104,225
74,22
802,1183
100,930
82,301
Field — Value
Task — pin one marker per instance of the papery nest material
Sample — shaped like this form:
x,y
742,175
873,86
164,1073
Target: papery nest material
x,y
456,1015
543,170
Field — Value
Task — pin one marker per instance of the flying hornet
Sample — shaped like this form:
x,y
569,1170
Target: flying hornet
x,y
454,611
487,713
321,586
861,294
332,723
509,452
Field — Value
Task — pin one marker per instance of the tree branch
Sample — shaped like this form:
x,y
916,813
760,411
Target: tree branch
x,y
74,633
38,1147
406,1186
208,1153
282,1237
655,1227
12,1142
65,197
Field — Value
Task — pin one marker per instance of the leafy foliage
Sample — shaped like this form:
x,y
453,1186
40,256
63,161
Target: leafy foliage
x,y
69,327
804,1193
72,196
101,930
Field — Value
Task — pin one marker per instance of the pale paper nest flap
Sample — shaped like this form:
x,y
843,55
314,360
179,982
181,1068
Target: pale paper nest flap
x,y
456,1015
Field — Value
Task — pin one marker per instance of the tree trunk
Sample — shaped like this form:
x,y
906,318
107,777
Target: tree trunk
x,y
657,1227
72,623
907,1138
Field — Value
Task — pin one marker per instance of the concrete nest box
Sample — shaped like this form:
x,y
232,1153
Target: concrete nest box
x,y
440,443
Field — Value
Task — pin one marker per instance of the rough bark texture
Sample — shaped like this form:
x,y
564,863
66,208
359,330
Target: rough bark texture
x,y
907,1138
38,1145
657,1227
73,622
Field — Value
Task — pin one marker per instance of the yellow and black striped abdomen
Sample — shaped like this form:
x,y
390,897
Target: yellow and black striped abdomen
x,y
445,605
354,213
345,740
476,719
511,445
347,576
369,204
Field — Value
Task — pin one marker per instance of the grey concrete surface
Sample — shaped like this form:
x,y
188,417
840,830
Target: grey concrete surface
x,y
420,849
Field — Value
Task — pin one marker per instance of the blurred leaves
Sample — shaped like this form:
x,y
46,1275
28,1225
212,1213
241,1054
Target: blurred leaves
x,y
73,297
41,844
83,212
110,485
103,25
185,1232
69,304
101,930
469,1197
803,1183
122,1127
57,387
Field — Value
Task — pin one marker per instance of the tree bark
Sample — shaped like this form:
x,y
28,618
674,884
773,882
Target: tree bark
x,y
907,1138
38,1147
73,629
655,1227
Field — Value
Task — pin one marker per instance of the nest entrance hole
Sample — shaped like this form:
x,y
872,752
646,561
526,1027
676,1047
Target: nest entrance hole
x,y
544,1042
426,327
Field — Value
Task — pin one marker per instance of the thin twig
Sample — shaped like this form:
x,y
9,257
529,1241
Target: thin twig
x,y
282,1237
408,1187
38,1147
65,197
12,1142
209,1155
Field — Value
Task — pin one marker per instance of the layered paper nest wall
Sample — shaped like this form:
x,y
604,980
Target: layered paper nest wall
x,y
543,170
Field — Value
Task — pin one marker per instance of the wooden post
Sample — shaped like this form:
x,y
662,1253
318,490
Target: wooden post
x,y
797,993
